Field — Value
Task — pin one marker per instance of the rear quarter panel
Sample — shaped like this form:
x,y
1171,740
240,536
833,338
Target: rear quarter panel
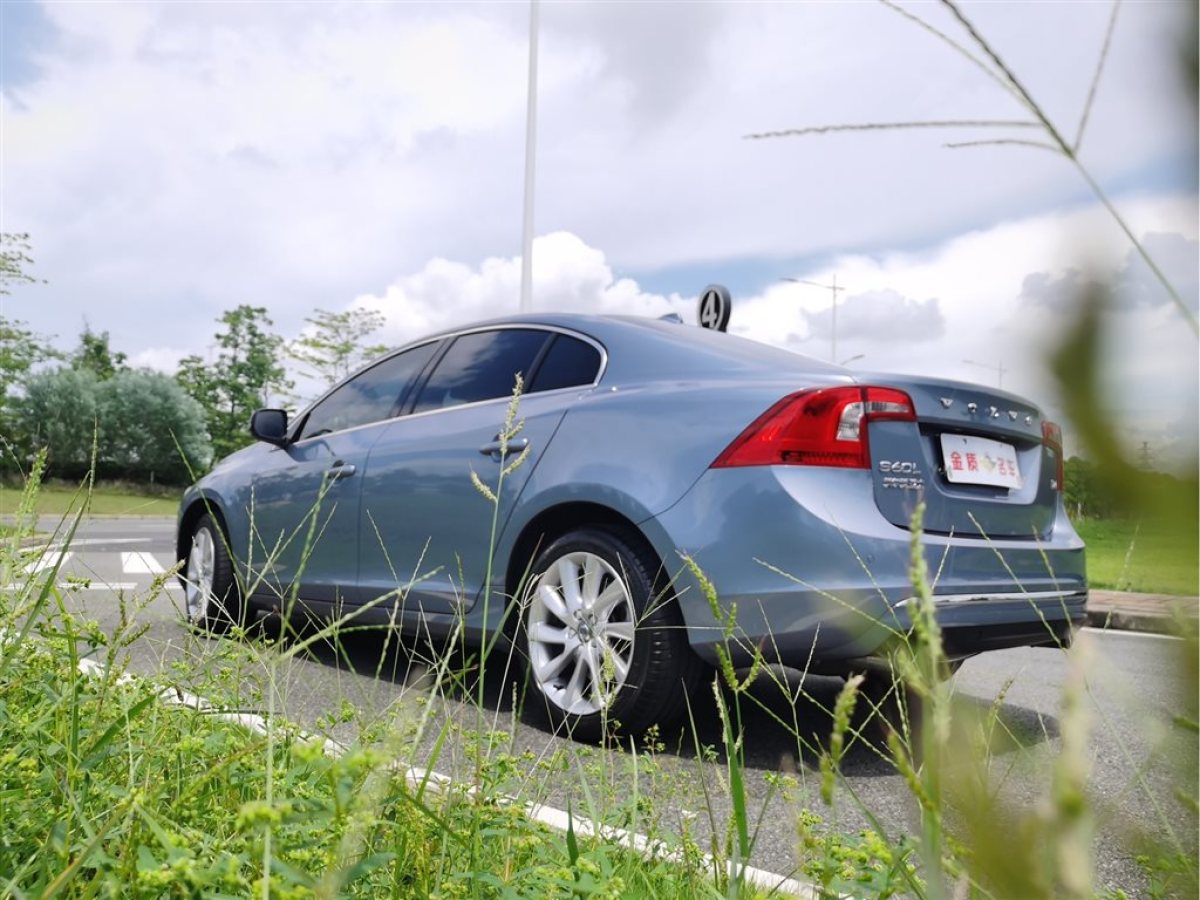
x,y
637,450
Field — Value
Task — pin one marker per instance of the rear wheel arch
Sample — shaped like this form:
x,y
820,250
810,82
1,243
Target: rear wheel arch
x,y
551,524
663,669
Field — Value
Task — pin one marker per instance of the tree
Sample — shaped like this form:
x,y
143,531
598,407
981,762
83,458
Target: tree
x,y
247,370
20,351
143,425
332,345
94,354
14,259
150,429
58,412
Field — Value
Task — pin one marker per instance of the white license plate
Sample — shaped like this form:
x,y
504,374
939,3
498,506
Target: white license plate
x,y
976,460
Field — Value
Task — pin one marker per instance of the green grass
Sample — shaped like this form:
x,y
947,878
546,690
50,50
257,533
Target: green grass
x,y
1148,557
107,500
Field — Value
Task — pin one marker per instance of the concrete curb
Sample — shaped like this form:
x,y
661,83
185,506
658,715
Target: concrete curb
x,y
1151,613
1123,620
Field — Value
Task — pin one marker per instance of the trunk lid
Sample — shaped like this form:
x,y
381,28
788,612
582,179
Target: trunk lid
x,y
975,456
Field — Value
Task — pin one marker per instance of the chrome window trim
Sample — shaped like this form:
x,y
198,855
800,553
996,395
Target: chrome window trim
x,y
450,336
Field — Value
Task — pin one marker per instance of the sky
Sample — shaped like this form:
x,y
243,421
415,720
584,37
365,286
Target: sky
x,y
173,160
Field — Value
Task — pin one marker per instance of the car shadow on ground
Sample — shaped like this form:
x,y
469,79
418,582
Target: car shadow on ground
x,y
785,715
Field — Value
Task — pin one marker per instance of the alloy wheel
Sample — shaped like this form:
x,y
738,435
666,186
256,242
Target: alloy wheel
x,y
580,631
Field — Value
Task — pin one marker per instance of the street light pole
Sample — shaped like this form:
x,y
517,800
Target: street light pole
x,y
530,153
833,289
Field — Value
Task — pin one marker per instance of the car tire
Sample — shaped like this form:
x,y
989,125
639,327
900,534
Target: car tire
x,y
212,602
602,638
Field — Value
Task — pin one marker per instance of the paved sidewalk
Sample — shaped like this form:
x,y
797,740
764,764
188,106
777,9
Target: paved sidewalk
x,y
1157,613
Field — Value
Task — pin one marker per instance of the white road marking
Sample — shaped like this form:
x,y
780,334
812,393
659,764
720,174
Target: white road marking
x,y
139,563
98,586
558,819
91,542
81,586
47,561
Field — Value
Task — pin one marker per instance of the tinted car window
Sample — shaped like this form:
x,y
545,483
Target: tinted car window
x,y
480,366
369,397
568,363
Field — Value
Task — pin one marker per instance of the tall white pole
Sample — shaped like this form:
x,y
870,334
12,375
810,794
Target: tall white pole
x,y
833,289
530,153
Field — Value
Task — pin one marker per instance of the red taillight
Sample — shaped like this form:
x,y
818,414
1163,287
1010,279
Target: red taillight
x,y
1052,439
822,427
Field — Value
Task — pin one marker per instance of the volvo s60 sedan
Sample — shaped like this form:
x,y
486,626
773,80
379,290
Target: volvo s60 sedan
x,y
789,483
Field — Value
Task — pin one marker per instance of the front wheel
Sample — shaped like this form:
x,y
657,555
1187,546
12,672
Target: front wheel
x,y
211,599
603,638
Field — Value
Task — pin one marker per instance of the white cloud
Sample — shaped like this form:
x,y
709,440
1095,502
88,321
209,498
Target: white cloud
x,y
174,160
569,276
1150,372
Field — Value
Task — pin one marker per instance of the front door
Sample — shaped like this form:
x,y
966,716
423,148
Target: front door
x,y
306,501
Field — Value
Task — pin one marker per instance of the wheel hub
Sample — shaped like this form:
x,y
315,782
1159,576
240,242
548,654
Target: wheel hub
x,y
580,629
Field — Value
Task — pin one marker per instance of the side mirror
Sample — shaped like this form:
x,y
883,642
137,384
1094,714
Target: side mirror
x,y
270,425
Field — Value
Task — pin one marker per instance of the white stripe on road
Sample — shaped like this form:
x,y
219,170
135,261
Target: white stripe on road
x,y
68,586
91,542
47,561
97,586
140,563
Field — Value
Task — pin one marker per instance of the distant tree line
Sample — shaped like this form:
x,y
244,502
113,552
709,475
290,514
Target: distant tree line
x,y
1089,495
89,407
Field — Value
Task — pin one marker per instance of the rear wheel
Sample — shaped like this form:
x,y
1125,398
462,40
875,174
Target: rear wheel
x,y
211,599
604,645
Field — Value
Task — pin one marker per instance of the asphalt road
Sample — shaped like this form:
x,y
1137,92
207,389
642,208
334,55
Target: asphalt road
x,y
115,572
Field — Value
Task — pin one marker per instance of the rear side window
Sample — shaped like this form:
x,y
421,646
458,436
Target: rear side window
x,y
570,362
480,366
371,396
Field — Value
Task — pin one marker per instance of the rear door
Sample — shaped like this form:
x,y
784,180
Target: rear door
x,y
975,456
426,528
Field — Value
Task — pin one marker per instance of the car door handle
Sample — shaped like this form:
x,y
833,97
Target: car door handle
x,y
339,470
492,448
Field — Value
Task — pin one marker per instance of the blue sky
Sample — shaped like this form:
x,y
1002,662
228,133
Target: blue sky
x,y
174,159
24,31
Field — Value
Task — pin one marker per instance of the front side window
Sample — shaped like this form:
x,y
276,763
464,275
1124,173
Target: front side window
x,y
370,396
480,366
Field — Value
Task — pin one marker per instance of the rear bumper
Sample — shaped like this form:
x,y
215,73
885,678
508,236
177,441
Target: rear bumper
x,y
815,577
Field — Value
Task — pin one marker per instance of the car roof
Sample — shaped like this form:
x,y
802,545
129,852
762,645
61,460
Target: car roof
x,y
647,347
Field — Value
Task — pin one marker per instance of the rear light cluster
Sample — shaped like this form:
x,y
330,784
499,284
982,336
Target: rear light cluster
x,y
1052,440
821,427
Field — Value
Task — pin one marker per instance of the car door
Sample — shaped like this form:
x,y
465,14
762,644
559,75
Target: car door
x,y
305,500
426,527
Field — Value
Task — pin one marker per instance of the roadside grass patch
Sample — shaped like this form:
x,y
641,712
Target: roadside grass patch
x,y
1147,556
107,499
109,787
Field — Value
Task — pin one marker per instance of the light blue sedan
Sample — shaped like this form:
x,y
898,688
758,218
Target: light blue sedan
x,y
790,483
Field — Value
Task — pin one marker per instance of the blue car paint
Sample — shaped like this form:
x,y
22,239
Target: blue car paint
x,y
816,559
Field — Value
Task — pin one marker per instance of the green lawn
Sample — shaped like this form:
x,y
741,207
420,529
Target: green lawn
x,y
1153,558
107,500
